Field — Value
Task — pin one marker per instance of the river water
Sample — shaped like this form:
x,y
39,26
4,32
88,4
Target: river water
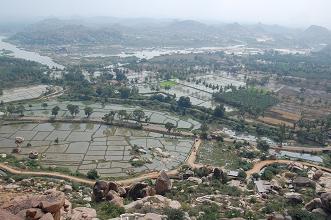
x,y
27,55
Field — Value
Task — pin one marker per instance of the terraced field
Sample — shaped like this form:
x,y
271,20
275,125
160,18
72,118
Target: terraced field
x,y
100,110
84,146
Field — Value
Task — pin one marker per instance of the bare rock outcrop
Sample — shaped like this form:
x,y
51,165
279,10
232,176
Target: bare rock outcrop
x,y
163,183
83,213
8,216
152,204
100,190
37,206
137,190
318,174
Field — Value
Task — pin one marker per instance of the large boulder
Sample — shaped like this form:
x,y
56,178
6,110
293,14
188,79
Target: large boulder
x,y
163,183
100,190
114,198
187,174
195,180
47,216
27,206
313,204
326,201
113,186
118,201
320,212
8,216
294,198
52,202
137,191
318,174
122,191
83,213
303,182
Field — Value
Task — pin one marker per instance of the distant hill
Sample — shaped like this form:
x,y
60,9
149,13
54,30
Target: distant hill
x,y
325,52
58,32
154,33
315,35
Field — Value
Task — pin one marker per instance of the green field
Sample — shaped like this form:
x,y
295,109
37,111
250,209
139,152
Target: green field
x,y
168,84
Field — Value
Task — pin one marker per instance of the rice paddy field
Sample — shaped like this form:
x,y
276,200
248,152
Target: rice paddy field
x,y
83,146
99,110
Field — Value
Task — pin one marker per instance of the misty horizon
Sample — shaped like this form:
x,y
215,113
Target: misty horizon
x,y
297,13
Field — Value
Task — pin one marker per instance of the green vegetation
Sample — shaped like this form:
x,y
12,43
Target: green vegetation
x,y
174,214
106,210
15,72
211,212
93,174
316,131
253,101
316,66
168,84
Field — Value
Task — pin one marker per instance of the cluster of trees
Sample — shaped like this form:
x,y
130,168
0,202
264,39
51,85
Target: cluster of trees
x,y
15,71
12,109
258,82
317,130
253,101
137,115
315,66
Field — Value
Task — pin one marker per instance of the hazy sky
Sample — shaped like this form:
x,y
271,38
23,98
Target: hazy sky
x,y
286,12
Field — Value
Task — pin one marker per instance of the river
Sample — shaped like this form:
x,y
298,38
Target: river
x,y
27,55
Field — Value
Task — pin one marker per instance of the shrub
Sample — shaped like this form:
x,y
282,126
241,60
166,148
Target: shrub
x,y
108,210
232,213
174,214
211,212
93,174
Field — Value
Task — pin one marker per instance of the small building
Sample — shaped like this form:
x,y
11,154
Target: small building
x,y
233,174
262,186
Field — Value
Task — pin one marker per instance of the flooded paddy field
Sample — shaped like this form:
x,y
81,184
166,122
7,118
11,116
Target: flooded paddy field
x,y
83,146
23,93
99,110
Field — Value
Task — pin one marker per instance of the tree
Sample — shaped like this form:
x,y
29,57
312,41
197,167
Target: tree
x,y
73,109
88,111
124,92
20,109
44,105
10,109
138,114
204,130
282,134
184,102
219,111
109,117
262,145
55,110
120,76
169,126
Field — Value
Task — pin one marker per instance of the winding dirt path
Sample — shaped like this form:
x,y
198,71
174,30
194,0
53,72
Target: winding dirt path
x,y
303,149
261,164
190,161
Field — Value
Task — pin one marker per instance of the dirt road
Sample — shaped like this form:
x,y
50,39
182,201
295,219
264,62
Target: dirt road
x,y
261,164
